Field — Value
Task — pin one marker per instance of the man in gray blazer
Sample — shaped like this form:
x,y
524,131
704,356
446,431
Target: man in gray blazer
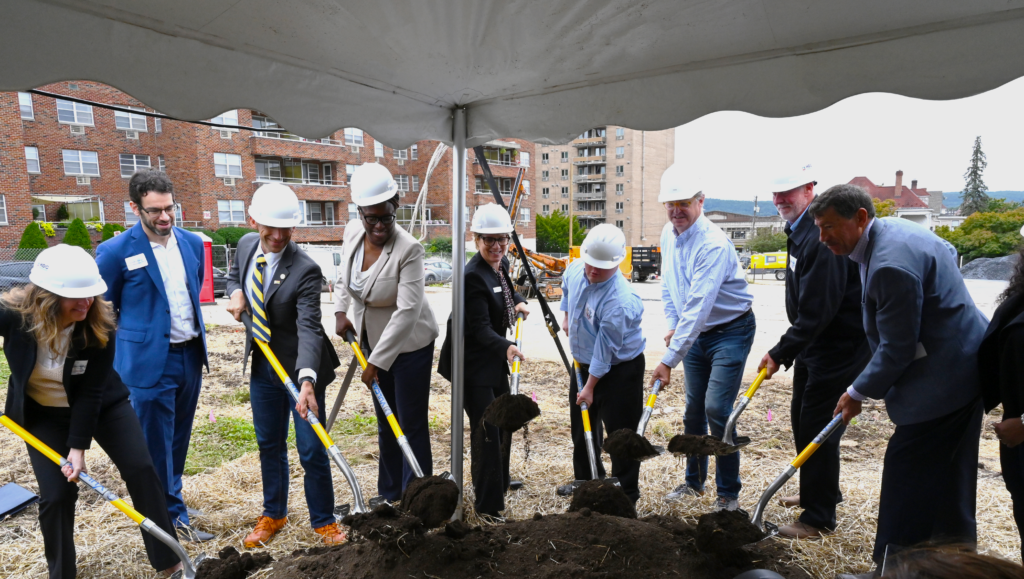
x,y
924,331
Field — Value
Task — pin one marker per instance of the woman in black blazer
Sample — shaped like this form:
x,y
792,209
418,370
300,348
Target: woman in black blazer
x,y
1001,363
491,309
63,389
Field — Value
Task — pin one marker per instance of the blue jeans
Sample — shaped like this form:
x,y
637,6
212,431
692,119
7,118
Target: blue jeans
x,y
714,371
271,406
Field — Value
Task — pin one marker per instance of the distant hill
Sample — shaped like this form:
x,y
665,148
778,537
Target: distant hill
x,y
741,207
951,200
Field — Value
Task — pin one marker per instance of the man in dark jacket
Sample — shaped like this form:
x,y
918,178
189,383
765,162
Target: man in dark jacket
x,y
826,346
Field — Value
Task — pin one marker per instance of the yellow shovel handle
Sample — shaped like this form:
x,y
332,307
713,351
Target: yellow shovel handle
x,y
757,383
276,364
351,338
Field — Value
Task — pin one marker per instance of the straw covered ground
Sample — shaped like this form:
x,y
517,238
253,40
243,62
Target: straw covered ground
x,y
224,479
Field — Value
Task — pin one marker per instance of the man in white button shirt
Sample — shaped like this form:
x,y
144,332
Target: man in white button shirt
x,y
154,273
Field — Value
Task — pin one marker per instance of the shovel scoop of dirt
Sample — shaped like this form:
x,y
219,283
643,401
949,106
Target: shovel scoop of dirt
x,y
432,499
697,445
383,523
232,565
510,412
626,444
724,531
601,496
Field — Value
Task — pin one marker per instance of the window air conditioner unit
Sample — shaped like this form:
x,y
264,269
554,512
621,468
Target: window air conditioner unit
x,y
77,130
132,135
83,180
225,134
229,181
355,149
401,161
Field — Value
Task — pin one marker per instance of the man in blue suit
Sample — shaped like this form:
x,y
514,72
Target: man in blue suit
x,y
924,332
154,272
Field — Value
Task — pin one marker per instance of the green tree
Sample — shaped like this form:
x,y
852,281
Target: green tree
x,y
553,233
986,234
766,242
1001,205
78,235
231,235
440,245
973,197
215,237
109,229
62,212
885,208
32,242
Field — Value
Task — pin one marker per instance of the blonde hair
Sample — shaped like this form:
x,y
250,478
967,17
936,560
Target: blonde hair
x,y
40,313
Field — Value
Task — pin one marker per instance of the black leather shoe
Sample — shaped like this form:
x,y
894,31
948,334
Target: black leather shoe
x,y
194,512
192,535
515,485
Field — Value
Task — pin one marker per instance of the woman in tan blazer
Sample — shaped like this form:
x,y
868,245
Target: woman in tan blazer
x,y
380,296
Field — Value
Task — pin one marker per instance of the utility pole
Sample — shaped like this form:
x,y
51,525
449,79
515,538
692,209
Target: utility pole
x,y
753,220
643,196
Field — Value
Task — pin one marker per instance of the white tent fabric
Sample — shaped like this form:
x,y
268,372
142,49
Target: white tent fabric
x,y
542,71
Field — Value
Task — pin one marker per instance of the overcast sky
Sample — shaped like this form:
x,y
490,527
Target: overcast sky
x,y
871,135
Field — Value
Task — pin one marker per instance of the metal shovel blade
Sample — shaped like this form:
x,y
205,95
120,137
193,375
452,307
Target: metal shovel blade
x,y
187,573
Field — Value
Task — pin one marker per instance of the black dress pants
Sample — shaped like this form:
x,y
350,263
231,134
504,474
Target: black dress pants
x,y
817,388
490,449
618,403
1012,462
119,435
929,482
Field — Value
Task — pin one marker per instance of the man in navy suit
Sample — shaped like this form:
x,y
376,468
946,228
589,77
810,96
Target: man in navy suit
x,y
924,332
154,272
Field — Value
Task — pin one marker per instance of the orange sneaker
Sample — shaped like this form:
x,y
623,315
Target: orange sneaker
x,y
265,530
332,534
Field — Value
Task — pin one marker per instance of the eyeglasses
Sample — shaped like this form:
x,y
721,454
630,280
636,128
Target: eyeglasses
x,y
678,204
156,211
386,219
490,241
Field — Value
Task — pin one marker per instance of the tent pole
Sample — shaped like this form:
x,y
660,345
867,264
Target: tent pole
x,y
458,295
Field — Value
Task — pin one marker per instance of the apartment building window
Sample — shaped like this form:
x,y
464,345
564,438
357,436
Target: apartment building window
x,y
524,215
131,122
130,218
524,159
565,174
317,212
3,210
32,159
158,125
619,224
327,174
565,192
378,148
230,211
620,170
132,163
565,156
545,192
310,173
354,138
415,184
543,158
401,154
227,165
74,113
619,188
160,165
226,118
526,187
565,209
353,212
738,234
620,206
349,169
403,182
25,104
620,152
414,152
620,133
544,175
545,209
268,170
84,163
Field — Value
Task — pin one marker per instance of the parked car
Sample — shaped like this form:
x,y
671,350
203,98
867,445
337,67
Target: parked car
x,y
436,270
14,274
220,282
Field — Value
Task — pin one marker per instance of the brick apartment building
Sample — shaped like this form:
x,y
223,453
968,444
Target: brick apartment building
x,y
56,152
611,175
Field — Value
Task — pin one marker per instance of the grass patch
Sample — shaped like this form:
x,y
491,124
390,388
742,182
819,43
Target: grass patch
x,y
5,372
356,425
237,397
214,443
438,426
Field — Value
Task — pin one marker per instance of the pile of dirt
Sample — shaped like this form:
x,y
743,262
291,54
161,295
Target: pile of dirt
x,y
232,565
510,412
553,546
601,496
432,499
694,445
627,444
385,523
725,531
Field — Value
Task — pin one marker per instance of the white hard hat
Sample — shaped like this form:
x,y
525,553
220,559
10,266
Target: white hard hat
x,y
372,183
491,218
792,180
275,205
604,247
676,185
68,271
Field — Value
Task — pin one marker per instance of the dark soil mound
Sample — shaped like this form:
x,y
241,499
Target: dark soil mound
x,y
569,545
232,565
601,496
725,531
694,445
432,499
627,444
511,412
384,523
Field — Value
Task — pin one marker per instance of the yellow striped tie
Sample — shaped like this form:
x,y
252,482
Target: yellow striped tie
x,y
260,326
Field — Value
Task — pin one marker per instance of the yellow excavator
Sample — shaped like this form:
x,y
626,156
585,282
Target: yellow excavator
x,y
549,271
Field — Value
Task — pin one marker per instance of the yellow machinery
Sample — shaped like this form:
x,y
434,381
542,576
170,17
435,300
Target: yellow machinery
x,y
769,262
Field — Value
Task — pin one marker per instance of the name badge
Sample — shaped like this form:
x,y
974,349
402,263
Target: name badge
x,y
920,353
136,261
79,367
497,289
792,263
588,313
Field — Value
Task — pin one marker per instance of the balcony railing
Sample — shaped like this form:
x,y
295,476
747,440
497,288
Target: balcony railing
x,y
591,196
589,142
589,160
296,181
596,178
504,192
291,137
476,161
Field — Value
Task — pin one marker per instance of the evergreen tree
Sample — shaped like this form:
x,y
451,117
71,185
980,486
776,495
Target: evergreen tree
x,y
974,197
32,242
109,229
553,233
78,235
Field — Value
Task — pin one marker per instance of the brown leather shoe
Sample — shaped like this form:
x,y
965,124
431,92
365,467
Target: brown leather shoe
x,y
789,502
800,530
332,534
265,530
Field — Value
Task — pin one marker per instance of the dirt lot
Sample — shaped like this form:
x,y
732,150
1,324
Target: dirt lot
x,y
225,483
